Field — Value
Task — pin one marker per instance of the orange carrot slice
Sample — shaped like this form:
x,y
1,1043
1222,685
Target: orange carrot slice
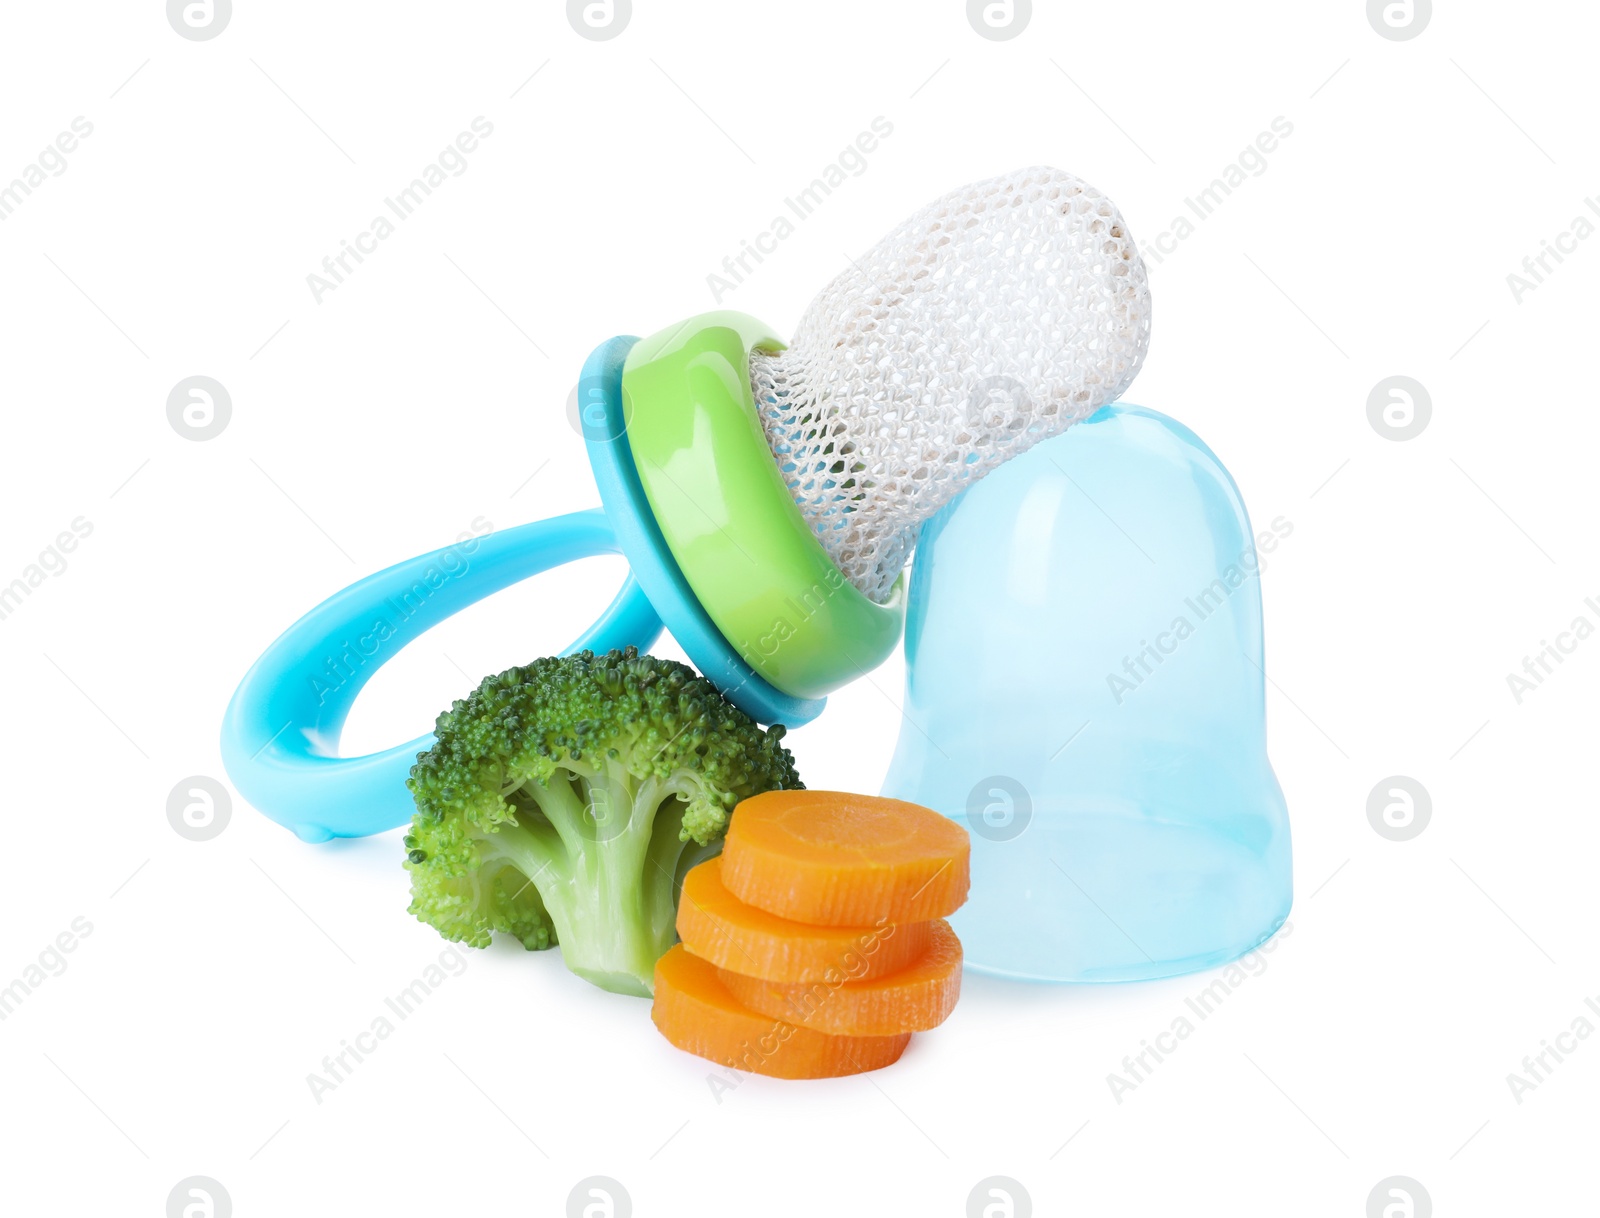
x,y
912,1000
833,859
717,926
694,1011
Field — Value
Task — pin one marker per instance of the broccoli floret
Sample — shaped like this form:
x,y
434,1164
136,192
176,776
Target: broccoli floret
x,y
563,802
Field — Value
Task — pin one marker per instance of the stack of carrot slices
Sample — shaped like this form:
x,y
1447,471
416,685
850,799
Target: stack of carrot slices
x,y
816,944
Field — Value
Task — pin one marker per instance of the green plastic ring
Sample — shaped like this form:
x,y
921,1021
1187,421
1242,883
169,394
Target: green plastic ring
x,y
727,516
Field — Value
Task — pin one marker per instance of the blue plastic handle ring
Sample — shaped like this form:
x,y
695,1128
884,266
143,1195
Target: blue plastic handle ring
x,y
280,736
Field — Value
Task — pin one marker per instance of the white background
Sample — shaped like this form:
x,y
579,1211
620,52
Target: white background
x,y
429,390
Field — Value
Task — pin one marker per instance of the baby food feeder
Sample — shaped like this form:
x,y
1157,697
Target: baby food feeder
x,y
1084,689
766,498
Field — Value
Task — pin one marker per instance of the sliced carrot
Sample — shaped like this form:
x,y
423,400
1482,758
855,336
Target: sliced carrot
x,y
912,1000
833,859
694,1011
717,926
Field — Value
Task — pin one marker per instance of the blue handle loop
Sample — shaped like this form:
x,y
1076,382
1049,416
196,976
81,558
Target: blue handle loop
x,y
280,736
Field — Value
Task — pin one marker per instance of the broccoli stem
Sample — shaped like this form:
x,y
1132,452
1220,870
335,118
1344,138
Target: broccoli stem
x,y
610,887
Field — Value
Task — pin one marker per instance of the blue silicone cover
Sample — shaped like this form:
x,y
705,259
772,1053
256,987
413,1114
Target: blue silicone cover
x,y
1085,692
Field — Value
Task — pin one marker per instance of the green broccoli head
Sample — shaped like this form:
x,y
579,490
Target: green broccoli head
x,y
563,801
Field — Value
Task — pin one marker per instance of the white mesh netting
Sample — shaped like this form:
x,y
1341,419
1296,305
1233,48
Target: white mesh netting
x,y
994,318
